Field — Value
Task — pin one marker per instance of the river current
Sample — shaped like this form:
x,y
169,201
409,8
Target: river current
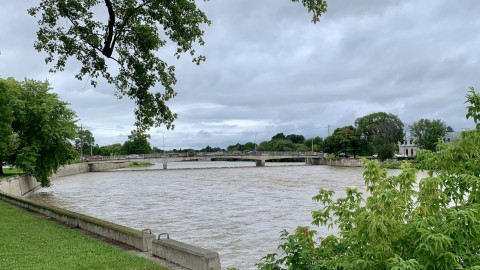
x,y
233,208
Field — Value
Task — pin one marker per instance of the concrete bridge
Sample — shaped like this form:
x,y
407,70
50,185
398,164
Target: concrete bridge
x,y
313,158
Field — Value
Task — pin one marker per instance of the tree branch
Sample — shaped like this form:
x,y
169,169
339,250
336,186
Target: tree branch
x,y
83,38
108,45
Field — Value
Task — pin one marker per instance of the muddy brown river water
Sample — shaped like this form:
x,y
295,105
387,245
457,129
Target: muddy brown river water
x,y
233,208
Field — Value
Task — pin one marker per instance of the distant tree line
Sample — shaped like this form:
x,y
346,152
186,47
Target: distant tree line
x,y
377,133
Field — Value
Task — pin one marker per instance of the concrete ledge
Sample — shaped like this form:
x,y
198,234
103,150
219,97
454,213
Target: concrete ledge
x,y
135,238
185,255
125,235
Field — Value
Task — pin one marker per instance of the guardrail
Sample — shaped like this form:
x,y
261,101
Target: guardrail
x,y
207,154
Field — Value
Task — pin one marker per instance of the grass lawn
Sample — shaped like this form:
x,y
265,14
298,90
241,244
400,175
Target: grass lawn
x,y
10,171
29,241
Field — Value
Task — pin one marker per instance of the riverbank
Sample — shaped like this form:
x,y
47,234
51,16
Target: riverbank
x,y
165,252
30,241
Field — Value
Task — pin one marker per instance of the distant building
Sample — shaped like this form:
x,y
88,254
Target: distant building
x,y
407,148
451,136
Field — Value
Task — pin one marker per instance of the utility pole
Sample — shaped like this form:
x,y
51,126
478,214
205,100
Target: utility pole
x,y
255,143
81,142
91,147
328,130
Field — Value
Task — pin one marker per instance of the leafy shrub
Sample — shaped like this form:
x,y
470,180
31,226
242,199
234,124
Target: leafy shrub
x,y
391,165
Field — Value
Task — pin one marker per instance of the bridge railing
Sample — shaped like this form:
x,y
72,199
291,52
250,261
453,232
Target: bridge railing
x,y
206,154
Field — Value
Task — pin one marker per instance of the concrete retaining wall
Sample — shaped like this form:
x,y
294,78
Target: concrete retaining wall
x,y
106,166
71,169
345,162
19,185
354,162
22,185
128,236
186,255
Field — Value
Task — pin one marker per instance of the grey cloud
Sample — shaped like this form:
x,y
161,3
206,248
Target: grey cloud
x,y
270,70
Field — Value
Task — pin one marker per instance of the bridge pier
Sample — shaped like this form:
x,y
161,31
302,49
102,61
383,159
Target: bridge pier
x,y
165,165
313,161
260,163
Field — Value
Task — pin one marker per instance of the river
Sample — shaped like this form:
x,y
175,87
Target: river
x,y
233,208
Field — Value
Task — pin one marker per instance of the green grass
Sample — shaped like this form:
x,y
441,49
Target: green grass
x,y
10,171
139,165
29,241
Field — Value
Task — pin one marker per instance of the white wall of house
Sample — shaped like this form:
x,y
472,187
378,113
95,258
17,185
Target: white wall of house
x,y
407,147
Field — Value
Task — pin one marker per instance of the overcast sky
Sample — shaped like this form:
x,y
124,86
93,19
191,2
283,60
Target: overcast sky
x,y
270,70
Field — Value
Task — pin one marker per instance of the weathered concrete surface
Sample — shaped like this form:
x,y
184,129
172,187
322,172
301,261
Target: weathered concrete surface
x,y
351,162
71,169
185,255
125,235
260,163
106,166
140,240
22,185
345,162
19,185
315,161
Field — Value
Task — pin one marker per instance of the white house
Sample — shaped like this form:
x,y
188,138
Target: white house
x,y
409,149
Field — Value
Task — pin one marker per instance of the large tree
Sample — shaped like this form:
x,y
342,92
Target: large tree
x,y
137,143
426,133
294,138
9,90
45,127
382,131
345,139
121,43
278,136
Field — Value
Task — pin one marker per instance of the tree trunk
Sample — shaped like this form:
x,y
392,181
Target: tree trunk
x,y
1,166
